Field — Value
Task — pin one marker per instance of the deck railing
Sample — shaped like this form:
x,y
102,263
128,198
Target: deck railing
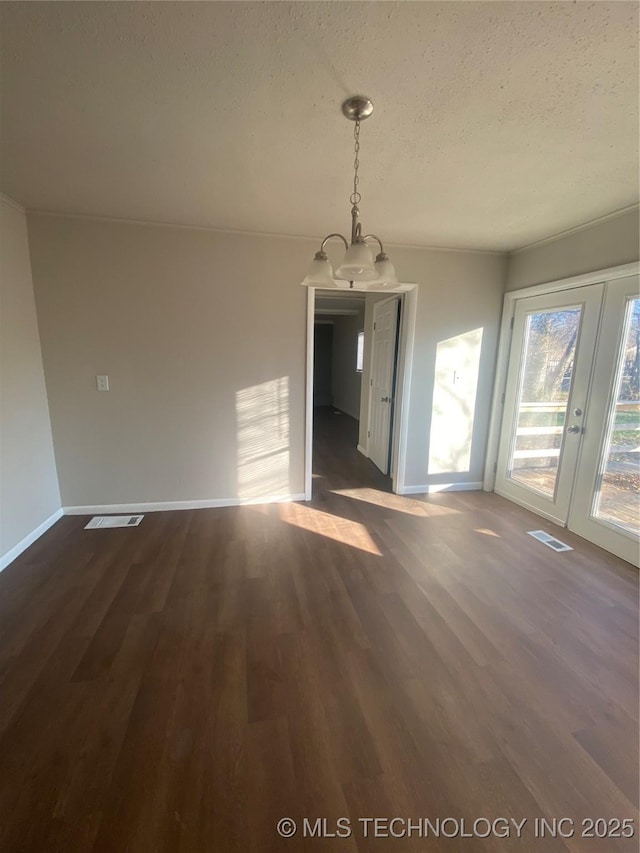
x,y
548,407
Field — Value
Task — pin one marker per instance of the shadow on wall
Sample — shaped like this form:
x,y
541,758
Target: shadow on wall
x,y
454,403
262,427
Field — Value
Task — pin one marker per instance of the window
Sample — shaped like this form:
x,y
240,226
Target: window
x,y
360,352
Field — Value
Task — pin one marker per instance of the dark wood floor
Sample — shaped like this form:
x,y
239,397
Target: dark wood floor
x,y
183,685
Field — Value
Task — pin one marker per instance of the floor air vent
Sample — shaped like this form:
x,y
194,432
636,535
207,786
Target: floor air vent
x,y
113,521
548,540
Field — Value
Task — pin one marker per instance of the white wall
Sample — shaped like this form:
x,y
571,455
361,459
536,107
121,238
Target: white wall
x,y
458,312
29,493
206,357
609,243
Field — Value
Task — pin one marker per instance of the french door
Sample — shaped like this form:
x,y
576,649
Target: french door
x,y
569,440
606,503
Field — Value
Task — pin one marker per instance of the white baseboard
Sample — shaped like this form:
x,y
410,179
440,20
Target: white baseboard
x,y
167,506
433,488
29,539
363,450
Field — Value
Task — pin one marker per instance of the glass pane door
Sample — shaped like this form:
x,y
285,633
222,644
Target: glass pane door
x,y
606,503
547,369
616,498
550,361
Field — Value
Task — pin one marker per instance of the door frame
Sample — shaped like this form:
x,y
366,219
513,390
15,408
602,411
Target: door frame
x,y
400,422
504,347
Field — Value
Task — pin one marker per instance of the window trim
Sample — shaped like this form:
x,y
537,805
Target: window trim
x,y
360,351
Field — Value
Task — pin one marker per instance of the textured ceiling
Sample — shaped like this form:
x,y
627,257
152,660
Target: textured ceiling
x,y
495,124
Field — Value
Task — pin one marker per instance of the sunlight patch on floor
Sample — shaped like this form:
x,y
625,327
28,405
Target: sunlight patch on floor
x,y
398,503
487,532
341,530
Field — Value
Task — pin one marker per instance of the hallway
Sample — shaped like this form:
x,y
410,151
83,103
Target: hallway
x,y
337,462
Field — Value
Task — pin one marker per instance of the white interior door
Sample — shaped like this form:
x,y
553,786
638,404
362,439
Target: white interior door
x,y
605,508
552,349
385,329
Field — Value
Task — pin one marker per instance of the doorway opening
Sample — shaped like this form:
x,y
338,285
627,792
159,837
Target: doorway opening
x,y
359,346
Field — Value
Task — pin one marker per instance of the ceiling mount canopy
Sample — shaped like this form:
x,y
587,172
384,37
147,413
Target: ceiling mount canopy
x,y
358,264
357,108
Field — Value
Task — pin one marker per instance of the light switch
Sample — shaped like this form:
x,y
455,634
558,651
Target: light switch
x,y
102,383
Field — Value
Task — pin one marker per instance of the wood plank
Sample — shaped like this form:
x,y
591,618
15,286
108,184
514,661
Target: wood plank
x,y
183,685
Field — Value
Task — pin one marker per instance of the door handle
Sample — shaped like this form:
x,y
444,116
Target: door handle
x,y
574,428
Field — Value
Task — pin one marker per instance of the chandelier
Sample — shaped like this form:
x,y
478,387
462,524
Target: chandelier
x,y
358,264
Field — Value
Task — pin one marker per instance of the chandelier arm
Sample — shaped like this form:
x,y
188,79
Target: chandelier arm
x,y
329,236
377,239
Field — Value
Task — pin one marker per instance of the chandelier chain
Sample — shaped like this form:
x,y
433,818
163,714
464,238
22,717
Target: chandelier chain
x,y
355,195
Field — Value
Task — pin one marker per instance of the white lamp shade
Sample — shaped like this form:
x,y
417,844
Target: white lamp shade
x,y
357,264
320,273
385,272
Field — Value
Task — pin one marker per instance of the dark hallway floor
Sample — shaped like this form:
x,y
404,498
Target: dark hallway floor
x,y
337,463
